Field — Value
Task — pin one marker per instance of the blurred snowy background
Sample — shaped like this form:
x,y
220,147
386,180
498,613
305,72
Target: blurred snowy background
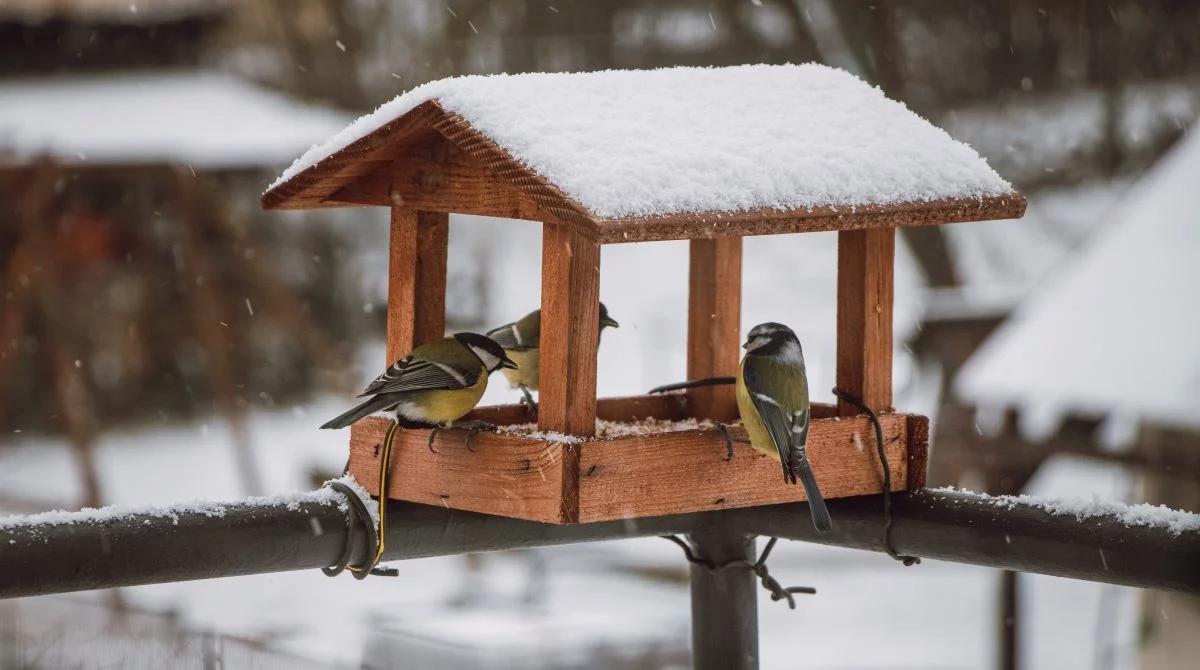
x,y
161,339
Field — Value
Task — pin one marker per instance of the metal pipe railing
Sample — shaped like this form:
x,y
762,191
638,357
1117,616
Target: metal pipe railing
x,y
273,537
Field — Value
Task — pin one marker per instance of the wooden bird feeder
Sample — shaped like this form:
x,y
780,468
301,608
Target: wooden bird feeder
x,y
430,160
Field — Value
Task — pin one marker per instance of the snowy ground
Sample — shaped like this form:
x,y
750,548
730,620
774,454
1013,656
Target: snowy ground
x,y
870,612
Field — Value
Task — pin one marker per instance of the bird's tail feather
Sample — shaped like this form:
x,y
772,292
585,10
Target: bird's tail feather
x,y
367,408
816,503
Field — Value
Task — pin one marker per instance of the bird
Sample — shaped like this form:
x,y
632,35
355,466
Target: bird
x,y
435,385
772,400
520,341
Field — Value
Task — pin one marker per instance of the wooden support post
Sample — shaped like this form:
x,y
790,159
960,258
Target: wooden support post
x,y
416,280
864,317
714,323
570,330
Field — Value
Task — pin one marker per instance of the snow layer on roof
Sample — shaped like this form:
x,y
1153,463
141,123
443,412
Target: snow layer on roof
x,y
647,142
1118,329
204,119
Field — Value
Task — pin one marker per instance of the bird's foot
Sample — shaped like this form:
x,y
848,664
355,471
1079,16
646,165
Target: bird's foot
x,y
473,428
528,401
729,440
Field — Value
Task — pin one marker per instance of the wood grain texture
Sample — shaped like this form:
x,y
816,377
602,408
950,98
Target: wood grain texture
x,y
918,451
311,188
621,478
334,182
864,317
570,330
714,323
713,225
435,175
686,471
570,335
505,475
416,280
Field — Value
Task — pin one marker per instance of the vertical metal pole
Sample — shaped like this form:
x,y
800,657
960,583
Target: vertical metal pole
x,y
1007,640
724,609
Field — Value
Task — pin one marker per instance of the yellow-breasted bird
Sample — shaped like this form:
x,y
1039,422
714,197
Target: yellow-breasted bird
x,y
435,385
772,398
520,342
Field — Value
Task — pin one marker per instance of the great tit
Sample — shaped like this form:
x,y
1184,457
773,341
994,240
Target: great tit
x,y
435,385
772,398
520,341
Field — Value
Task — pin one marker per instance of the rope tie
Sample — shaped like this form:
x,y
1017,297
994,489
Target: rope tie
x,y
887,476
759,568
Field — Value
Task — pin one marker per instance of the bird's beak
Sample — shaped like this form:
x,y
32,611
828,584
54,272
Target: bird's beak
x,y
508,363
755,343
609,322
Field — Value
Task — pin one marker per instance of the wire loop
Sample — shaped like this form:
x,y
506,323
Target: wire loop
x,y
759,568
887,476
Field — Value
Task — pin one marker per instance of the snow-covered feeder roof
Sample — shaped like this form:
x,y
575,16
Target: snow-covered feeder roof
x,y
1117,332
655,154
207,120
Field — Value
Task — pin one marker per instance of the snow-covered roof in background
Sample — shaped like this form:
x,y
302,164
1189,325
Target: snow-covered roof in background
x,y
126,12
204,119
1118,331
999,263
689,140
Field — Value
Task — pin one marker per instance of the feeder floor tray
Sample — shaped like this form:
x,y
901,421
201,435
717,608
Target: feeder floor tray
x,y
630,476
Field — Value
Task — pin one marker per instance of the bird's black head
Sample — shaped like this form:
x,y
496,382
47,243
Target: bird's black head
x,y
606,320
486,350
769,337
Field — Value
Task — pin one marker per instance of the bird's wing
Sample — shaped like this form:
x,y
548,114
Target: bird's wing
x,y
509,337
774,416
417,375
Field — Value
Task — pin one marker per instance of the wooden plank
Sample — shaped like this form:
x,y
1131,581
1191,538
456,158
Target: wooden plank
x,y
570,330
416,280
673,406
435,175
918,451
628,477
864,317
505,475
713,225
686,471
714,323
569,337
312,186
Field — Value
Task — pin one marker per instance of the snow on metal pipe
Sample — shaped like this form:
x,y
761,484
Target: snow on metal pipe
x,y
1138,545
78,551
81,551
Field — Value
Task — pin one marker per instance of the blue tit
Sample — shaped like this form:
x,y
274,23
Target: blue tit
x,y
520,342
772,398
435,385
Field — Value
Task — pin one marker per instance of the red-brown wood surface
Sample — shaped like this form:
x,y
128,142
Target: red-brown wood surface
x,y
435,175
714,323
570,330
864,317
505,475
713,225
673,473
416,280
626,477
